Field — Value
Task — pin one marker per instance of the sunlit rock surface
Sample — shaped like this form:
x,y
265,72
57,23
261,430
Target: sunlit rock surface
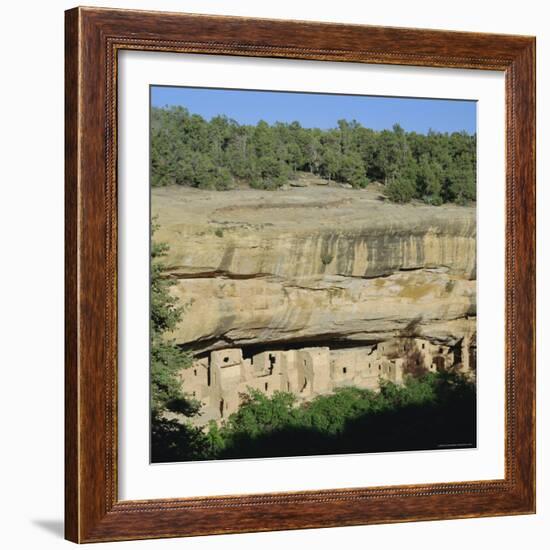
x,y
315,265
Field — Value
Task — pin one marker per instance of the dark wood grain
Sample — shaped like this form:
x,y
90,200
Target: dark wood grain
x,y
93,38
71,270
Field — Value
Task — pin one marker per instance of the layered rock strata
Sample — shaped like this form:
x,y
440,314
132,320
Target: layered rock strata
x,y
315,266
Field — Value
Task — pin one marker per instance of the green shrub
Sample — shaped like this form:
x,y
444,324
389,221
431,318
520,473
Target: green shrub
x,y
400,190
327,257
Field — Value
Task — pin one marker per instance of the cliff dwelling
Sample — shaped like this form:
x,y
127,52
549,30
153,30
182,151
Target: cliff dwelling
x,y
220,379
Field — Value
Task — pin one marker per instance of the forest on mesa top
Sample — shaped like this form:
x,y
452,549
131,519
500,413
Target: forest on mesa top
x,y
188,150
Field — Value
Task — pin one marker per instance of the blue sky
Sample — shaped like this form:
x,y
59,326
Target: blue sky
x,y
322,110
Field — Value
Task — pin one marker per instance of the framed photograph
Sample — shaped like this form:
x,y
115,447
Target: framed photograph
x,y
300,275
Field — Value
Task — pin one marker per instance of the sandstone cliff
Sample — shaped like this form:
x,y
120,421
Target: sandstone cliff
x,y
315,265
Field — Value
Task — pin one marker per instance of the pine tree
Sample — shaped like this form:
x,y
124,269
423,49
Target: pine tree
x,y
167,360
188,150
462,180
429,180
352,170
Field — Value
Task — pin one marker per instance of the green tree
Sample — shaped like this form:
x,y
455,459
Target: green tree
x,y
314,150
461,187
429,180
402,186
352,170
418,414
188,150
401,190
167,359
393,153
171,439
331,154
259,413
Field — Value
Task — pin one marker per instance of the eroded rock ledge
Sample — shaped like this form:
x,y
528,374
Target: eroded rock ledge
x,y
315,265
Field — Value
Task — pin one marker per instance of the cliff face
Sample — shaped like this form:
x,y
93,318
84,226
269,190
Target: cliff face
x,y
315,265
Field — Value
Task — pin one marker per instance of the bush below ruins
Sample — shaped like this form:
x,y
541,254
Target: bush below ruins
x,y
434,411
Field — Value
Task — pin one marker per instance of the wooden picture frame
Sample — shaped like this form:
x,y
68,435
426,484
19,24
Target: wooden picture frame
x,y
93,511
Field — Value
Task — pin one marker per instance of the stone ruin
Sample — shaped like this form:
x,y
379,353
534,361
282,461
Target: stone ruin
x,y
218,381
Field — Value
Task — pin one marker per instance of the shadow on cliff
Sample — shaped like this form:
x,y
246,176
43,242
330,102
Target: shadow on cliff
x,y
443,417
